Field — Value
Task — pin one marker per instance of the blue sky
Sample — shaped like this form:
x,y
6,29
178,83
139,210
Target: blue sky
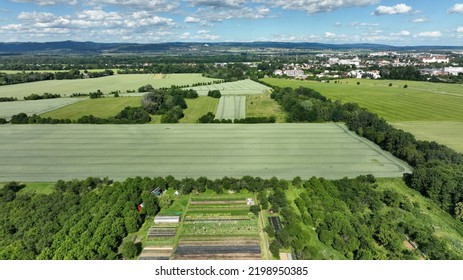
x,y
406,22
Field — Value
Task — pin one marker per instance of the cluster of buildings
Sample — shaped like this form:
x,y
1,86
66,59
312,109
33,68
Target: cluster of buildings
x,y
345,65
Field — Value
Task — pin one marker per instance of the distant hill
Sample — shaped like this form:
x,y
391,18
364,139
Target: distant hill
x,y
66,47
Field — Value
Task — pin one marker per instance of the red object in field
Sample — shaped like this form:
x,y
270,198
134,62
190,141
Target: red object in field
x,y
140,207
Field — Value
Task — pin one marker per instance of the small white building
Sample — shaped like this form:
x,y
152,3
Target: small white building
x,y
435,59
160,219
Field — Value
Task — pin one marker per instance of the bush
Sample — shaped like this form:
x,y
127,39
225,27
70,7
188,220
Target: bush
x,y
3,121
129,250
214,93
405,86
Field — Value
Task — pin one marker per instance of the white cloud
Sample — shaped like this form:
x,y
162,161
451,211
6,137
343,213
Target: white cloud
x,y
157,6
457,9
36,16
392,10
364,24
430,34
216,3
47,2
402,33
460,29
184,36
203,31
420,20
190,19
330,35
319,6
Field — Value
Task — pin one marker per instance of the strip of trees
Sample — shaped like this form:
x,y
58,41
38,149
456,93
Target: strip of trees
x,y
27,77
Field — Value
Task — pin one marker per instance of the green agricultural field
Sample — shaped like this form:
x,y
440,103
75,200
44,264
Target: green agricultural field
x,y
55,71
445,132
30,107
99,107
231,107
46,153
199,107
244,87
105,84
263,106
431,111
421,101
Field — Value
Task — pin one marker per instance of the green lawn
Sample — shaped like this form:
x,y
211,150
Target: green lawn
x,y
43,188
449,133
421,101
199,107
263,106
99,107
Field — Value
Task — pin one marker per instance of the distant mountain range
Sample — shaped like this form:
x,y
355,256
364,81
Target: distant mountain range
x,y
66,47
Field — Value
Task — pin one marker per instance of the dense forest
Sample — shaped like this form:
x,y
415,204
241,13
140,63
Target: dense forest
x,y
88,219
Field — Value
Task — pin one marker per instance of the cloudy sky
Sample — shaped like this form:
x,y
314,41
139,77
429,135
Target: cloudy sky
x,y
403,22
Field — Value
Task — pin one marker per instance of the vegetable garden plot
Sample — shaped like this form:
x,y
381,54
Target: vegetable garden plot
x,y
193,250
275,222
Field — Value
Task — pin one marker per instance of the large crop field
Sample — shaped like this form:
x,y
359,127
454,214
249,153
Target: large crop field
x,y
45,153
105,84
30,107
231,107
99,107
244,87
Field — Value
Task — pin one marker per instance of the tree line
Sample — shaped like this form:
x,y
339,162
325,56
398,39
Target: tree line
x,y
27,77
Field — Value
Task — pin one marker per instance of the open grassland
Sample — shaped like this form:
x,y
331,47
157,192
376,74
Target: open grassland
x,y
421,101
443,224
30,107
445,132
55,71
105,84
199,107
263,106
99,107
244,87
231,107
45,153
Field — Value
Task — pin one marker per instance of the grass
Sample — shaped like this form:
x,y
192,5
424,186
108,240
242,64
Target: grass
x,y
199,107
421,101
99,107
55,71
444,225
47,153
105,84
263,106
30,107
449,133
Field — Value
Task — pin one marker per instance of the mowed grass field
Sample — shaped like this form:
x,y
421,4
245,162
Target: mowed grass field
x,y
445,132
431,111
421,101
199,107
99,107
46,153
30,107
105,84
243,87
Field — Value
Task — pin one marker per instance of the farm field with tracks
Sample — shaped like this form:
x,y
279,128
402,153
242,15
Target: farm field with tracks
x,y
45,153
243,87
107,84
30,107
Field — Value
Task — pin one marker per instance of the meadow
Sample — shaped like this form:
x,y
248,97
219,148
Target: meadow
x,y
263,106
45,153
421,101
105,84
199,107
99,107
431,111
30,107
